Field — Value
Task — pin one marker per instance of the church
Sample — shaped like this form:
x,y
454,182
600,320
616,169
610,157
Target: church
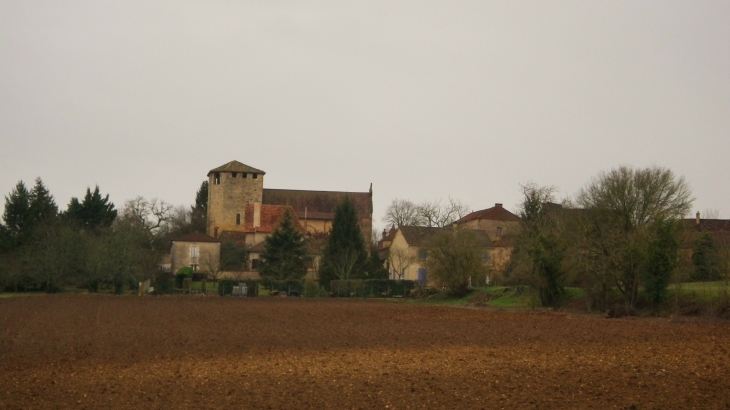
x,y
241,209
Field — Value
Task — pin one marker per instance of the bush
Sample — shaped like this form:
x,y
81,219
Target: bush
x,y
371,288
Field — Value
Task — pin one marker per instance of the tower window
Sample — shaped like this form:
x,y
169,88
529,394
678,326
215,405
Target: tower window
x,y
217,178
238,219
234,174
255,176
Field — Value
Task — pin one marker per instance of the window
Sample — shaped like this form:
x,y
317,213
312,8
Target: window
x,y
215,232
244,175
238,219
234,174
194,251
194,266
485,257
255,264
422,254
217,178
499,231
422,276
255,176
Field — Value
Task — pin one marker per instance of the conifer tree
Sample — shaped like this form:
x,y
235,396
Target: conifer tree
x,y
17,213
199,212
283,256
344,256
94,212
42,204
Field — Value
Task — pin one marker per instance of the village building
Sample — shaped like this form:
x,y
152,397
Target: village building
x,y
242,210
405,250
196,250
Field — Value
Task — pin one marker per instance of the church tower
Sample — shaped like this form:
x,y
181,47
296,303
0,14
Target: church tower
x,y
231,187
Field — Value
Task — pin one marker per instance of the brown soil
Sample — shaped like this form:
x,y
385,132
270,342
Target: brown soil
x,y
209,352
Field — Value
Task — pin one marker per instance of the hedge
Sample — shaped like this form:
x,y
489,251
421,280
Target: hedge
x,y
371,288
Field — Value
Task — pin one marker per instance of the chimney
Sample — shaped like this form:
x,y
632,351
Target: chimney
x,y
385,233
256,214
698,217
497,205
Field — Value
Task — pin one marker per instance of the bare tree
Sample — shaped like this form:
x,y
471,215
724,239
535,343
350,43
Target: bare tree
x,y
152,215
623,203
211,264
402,212
436,214
713,213
400,259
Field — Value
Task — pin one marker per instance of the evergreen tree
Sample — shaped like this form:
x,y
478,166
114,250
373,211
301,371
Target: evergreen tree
x,y
344,256
661,257
283,256
705,259
199,212
94,212
42,204
17,214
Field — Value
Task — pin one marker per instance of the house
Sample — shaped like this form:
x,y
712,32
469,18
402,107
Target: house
x,y
496,221
197,250
241,209
406,251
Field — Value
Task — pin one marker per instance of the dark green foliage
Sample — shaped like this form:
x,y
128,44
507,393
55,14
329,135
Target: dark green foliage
x,y
286,286
344,255
42,204
54,255
371,288
199,212
284,255
233,256
539,245
94,212
705,259
375,268
163,283
660,260
17,215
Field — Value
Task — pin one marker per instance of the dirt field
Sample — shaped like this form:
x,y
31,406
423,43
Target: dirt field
x,y
106,352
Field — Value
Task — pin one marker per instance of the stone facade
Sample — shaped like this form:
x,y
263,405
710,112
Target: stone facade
x,y
197,250
242,210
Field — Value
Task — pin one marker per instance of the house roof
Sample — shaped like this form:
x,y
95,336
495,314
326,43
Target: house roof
x,y
708,225
196,237
318,204
420,235
495,213
235,166
234,236
271,216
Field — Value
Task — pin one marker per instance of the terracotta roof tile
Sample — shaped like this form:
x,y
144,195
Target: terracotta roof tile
x,y
318,204
419,235
271,215
495,213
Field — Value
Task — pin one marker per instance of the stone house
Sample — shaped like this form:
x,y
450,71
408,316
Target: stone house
x,y
197,250
405,251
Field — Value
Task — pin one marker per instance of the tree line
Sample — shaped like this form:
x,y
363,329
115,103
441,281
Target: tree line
x,y
623,238
91,244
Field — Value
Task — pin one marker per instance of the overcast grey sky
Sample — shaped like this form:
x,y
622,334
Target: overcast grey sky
x,y
424,99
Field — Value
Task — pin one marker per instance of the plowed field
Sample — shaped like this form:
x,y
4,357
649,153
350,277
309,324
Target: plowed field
x,y
104,352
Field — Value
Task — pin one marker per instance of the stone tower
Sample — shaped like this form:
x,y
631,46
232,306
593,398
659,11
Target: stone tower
x,y
231,187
